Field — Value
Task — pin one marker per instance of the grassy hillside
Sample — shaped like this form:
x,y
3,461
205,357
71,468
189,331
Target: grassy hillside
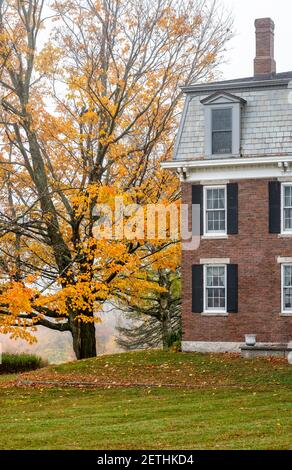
x,y
150,400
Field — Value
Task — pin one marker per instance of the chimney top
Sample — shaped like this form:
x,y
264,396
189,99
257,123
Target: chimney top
x,y
264,63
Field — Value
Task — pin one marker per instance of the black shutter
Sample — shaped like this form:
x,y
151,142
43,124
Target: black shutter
x,y
232,288
274,206
197,198
197,288
232,208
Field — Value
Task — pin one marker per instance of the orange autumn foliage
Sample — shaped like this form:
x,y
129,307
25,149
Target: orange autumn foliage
x,y
87,116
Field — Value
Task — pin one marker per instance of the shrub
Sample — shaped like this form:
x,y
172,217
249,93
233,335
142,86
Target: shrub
x,y
174,340
12,363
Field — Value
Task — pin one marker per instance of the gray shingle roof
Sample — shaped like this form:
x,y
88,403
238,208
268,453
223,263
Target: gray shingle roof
x,y
274,79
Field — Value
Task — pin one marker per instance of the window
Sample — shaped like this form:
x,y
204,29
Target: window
x,y
221,131
287,208
287,288
215,210
215,288
222,124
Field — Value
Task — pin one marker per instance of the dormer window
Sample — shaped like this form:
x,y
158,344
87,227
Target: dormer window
x,y
221,131
222,125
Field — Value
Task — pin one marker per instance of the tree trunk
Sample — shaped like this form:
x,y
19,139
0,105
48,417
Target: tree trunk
x,y
166,330
84,341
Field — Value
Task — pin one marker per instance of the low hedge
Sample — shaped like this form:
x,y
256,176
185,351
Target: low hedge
x,y
13,363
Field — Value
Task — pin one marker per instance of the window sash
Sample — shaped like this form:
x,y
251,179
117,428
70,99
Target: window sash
x,y
215,288
286,209
225,119
218,146
222,129
215,212
286,288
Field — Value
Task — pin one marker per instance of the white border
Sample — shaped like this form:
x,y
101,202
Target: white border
x,y
214,311
283,231
286,312
218,233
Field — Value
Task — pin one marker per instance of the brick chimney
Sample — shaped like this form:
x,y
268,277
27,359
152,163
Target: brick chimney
x,y
264,63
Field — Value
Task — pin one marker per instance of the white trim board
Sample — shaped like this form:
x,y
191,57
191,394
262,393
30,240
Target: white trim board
x,y
215,261
240,161
204,175
284,259
232,168
233,173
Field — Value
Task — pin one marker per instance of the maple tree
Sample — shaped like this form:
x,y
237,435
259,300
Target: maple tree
x,y
89,105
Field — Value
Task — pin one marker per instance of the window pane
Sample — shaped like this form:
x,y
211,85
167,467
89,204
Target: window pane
x,y
288,298
287,219
215,276
288,196
221,142
216,198
215,298
216,221
210,298
222,119
287,276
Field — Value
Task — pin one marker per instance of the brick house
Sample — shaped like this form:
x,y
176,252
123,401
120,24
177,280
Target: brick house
x,y
234,155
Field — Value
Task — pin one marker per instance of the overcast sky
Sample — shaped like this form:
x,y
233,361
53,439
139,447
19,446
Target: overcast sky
x,y
241,49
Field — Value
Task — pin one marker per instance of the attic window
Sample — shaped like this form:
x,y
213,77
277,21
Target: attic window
x,y
222,125
222,131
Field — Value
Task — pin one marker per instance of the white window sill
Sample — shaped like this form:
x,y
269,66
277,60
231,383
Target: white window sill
x,y
222,236
214,314
285,235
286,314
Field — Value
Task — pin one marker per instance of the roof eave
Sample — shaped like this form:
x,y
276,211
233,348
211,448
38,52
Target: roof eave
x,y
208,87
211,163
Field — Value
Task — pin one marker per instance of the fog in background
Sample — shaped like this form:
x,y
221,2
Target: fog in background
x,y
56,347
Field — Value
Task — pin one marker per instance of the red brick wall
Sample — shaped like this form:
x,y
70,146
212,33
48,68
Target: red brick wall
x,y
255,251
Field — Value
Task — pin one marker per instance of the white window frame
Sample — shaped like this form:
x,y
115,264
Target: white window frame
x,y
284,310
214,233
283,230
214,311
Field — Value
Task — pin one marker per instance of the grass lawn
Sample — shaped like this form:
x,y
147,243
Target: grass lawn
x,y
218,402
